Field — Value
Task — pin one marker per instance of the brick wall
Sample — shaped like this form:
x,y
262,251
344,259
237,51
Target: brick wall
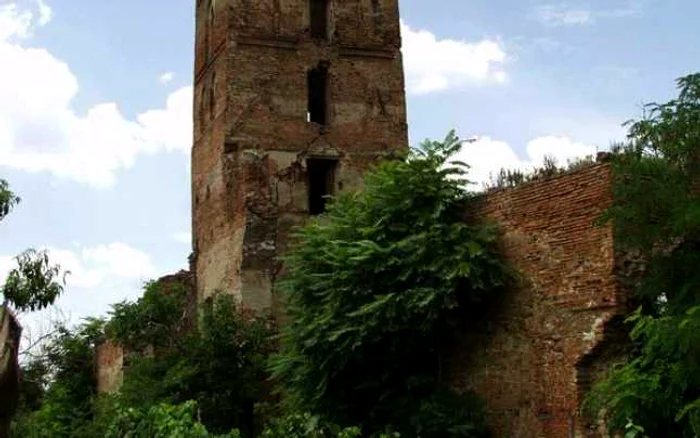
x,y
253,137
538,348
109,359
10,332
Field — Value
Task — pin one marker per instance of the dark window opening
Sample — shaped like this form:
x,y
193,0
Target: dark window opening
x,y
321,183
319,14
317,111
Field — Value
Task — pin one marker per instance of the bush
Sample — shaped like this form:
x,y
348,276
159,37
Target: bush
x,y
372,289
161,421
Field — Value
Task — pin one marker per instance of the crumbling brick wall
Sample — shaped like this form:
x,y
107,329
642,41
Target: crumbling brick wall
x,y
533,356
109,360
10,332
255,134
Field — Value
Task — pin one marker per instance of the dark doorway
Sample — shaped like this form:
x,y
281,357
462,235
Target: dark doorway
x,y
321,173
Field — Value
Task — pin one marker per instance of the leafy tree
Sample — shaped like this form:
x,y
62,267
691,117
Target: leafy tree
x,y
221,364
372,289
35,283
65,369
152,321
656,216
308,426
8,200
161,421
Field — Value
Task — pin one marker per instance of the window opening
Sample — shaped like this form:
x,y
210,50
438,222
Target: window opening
x,y
318,95
321,174
319,14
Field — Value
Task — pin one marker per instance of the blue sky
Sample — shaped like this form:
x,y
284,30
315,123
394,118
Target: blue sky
x,y
95,109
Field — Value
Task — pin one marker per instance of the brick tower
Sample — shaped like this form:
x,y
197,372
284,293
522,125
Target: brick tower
x,y
294,99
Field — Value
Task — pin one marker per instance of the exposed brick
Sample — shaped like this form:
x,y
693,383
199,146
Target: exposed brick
x,y
544,343
252,140
10,333
109,360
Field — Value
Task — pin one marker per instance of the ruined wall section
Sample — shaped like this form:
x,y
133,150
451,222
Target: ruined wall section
x,y
109,361
213,226
550,331
251,186
10,335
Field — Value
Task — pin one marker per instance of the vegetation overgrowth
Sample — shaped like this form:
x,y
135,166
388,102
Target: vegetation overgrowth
x,y
656,216
374,287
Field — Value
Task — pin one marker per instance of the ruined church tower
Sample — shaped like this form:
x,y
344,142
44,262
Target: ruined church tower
x,y
294,99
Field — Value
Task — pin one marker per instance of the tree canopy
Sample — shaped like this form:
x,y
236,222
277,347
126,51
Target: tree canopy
x,y
656,216
371,289
35,283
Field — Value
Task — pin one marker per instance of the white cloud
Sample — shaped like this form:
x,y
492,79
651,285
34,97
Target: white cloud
x,y
564,14
39,130
486,156
14,22
91,267
435,65
99,277
166,78
45,13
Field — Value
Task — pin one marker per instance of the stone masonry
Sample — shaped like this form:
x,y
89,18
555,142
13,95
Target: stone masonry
x,y
294,99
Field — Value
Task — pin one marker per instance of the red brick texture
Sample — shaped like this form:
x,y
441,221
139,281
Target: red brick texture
x,y
10,333
252,137
109,360
535,355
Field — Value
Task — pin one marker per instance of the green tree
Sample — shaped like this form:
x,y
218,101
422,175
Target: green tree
x,y
65,367
656,215
221,364
35,283
372,288
160,421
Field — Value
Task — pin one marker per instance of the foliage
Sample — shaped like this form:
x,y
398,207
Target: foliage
x,y
656,216
161,421
658,388
308,426
658,169
8,200
372,287
152,320
35,284
549,169
221,364
66,408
